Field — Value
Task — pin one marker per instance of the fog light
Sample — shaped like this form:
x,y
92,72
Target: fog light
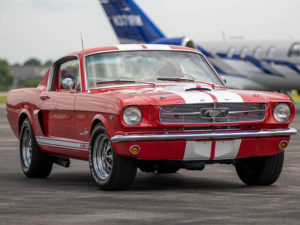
x,y
134,149
282,145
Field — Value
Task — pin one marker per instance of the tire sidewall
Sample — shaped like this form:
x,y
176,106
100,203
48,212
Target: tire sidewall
x,y
98,130
25,125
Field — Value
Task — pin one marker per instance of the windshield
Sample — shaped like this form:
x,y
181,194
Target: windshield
x,y
151,66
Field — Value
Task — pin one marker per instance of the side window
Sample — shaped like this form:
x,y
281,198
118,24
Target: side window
x,y
69,69
294,51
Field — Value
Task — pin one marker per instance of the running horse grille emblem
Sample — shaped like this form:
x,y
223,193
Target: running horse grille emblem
x,y
211,113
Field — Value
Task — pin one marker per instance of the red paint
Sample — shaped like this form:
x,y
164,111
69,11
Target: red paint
x,y
213,97
66,115
213,150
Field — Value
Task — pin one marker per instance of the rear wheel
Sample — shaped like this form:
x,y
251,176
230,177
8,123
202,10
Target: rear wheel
x,y
260,170
35,163
109,170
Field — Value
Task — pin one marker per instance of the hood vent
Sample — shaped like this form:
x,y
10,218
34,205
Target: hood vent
x,y
199,89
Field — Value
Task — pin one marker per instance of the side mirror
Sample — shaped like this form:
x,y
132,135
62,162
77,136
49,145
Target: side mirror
x,y
67,84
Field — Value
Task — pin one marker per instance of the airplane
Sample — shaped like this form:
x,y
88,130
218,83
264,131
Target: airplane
x,y
256,65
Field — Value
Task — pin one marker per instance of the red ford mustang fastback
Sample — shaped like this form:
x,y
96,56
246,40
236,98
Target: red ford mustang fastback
x,y
154,107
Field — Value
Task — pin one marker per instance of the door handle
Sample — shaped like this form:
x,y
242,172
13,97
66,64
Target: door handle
x,y
44,97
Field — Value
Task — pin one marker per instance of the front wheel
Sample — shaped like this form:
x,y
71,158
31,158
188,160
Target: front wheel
x,y
260,171
109,170
35,163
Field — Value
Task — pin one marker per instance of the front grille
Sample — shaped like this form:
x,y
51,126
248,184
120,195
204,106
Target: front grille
x,y
212,113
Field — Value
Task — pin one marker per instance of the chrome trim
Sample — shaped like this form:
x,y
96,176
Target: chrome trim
x,y
50,78
245,111
198,113
85,74
195,113
204,135
284,141
52,69
67,84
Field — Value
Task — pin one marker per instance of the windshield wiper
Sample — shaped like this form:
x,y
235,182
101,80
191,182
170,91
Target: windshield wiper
x,y
116,81
175,79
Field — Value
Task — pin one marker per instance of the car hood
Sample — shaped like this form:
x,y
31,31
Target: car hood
x,y
187,93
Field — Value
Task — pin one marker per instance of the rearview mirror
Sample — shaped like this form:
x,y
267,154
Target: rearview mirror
x,y
67,84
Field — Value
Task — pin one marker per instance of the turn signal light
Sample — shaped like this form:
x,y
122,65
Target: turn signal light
x,y
282,145
134,149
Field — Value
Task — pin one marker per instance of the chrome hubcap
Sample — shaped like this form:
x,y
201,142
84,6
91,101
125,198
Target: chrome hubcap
x,y
102,157
27,147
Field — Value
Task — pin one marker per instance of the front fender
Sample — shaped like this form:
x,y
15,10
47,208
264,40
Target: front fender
x,y
22,115
103,120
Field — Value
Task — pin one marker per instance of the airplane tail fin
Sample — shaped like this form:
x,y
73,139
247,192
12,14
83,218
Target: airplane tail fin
x,y
129,22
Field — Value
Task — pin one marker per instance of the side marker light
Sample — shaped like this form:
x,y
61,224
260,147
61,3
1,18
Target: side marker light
x,y
134,149
282,145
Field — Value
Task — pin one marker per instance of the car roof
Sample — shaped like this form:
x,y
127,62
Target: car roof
x,y
131,47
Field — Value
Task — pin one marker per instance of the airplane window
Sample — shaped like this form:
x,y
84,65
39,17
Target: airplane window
x,y
271,52
230,53
257,53
294,51
244,52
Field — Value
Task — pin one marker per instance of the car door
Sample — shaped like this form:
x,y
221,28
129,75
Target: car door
x,y
57,103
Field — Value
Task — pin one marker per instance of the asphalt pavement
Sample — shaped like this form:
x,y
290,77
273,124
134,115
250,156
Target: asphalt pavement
x,y
213,196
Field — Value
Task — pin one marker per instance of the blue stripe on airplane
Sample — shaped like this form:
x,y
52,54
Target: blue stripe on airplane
x,y
288,64
250,59
206,53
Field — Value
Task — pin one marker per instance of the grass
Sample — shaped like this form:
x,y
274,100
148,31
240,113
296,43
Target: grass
x,y
295,96
2,100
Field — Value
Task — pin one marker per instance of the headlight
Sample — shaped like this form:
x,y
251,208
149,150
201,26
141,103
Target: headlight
x,y
282,112
132,116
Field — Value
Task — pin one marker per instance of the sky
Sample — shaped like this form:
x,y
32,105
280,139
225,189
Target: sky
x,y
49,29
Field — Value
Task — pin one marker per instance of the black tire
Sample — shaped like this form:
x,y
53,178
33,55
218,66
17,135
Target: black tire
x,y
260,171
35,163
109,170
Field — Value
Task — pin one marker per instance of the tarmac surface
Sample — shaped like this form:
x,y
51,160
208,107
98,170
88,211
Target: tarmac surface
x,y
213,196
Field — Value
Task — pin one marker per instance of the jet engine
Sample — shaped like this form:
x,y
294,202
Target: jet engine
x,y
182,41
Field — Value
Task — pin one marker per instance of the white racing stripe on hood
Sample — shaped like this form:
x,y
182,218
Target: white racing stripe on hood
x,y
195,97
190,97
227,96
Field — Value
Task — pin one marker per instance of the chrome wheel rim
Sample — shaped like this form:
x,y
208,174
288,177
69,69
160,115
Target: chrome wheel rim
x,y
27,147
103,157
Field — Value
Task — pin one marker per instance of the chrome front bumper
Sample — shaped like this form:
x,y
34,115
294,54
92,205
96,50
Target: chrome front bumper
x,y
204,135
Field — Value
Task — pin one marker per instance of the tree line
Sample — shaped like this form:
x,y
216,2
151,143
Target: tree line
x,y
7,77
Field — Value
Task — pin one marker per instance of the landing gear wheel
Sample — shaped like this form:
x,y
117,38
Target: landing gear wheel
x,y
109,170
35,163
260,171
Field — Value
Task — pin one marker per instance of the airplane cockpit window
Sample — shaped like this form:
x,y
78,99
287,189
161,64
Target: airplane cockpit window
x,y
294,51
